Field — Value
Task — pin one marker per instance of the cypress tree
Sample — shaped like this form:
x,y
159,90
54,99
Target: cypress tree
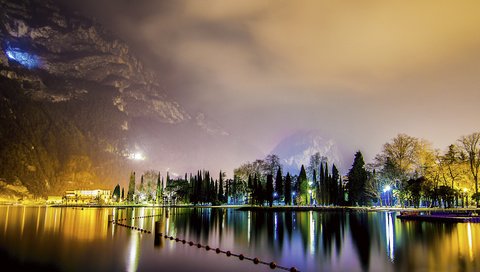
x,y
116,193
335,190
269,190
303,186
357,178
131,187
141,189
123,193
321,187
288,190
158,191
221,197
326,190
279,184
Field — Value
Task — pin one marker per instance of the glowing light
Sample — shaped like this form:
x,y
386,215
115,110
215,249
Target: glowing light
x,y
137,156
387,188
25,59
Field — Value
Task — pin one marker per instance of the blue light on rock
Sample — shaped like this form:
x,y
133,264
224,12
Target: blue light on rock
x,y
28,60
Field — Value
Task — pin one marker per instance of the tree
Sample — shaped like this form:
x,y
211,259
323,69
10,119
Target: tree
x,y
131,187
315,161
141,189
471,146
334,188
159,190
269,190
288,189
357,178
374,186
221,197
279,184
123,193
303,186
116,193
321,186
404,158
271,164
451,165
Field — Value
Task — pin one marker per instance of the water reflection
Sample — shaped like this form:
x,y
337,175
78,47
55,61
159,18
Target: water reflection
x,y
311,241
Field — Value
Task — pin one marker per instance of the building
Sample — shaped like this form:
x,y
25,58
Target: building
x,y
54,200
97,196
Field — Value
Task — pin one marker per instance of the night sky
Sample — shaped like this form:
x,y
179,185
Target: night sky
x,y
359,71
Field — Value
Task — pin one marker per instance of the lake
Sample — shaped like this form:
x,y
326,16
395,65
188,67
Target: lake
x,y
76,239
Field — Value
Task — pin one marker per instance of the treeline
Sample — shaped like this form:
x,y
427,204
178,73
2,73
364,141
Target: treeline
x,y
410,172
407,172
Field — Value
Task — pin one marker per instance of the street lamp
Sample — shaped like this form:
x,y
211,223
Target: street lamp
x,y
386,189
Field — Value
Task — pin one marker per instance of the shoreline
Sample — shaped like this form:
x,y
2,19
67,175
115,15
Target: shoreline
x,y
254,208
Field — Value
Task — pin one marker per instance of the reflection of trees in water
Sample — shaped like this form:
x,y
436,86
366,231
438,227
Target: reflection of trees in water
x,y
317,233
359,227
420,234
332,225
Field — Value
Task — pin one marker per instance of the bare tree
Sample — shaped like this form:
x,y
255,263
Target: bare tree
x,y
314,164
471,145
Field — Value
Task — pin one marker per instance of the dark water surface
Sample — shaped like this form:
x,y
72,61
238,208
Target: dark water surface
x,y
75,239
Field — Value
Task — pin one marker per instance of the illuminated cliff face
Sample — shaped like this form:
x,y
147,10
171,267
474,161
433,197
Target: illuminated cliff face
x,y
24,58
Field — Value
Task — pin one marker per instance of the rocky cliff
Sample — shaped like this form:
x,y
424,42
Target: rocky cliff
x,y
70,95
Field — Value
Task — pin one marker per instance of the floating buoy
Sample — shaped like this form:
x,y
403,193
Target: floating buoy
x,y
273,265
228,253
241,257
190,243
217,250
293,269
256,260
207,248
199,245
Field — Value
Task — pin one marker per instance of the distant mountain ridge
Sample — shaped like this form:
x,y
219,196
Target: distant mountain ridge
x,y
297,149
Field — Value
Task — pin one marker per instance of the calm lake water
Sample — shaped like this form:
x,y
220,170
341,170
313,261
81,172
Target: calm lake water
x,y
75,239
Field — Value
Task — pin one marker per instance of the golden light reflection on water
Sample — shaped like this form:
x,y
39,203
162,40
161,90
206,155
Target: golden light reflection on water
x,y
6,220
134,252
314,236
470,240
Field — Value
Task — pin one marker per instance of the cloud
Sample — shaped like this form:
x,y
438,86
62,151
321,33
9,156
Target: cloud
x,y
361,71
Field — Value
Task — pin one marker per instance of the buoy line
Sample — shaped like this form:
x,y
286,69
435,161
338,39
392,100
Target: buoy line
x,y
241,257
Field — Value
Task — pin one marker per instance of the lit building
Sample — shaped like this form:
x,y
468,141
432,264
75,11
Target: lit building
x,y
87,196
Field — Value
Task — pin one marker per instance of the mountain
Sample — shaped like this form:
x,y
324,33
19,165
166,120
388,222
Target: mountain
x,y
76,103
297,149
